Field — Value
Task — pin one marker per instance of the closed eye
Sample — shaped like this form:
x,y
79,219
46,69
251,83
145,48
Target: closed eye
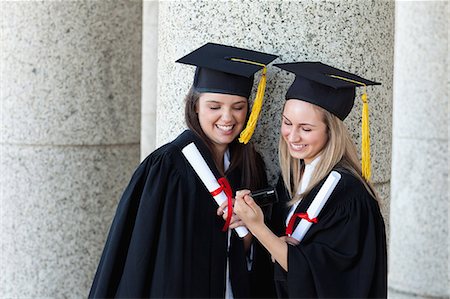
x,y
286,121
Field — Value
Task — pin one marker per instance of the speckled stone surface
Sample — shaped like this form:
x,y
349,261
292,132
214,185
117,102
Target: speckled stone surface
x,y
419,218
394,294
68,64
419,255
56,212
356,35
70,129
149,76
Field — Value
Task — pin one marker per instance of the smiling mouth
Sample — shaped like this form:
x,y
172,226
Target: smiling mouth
x,y
225,128
298,147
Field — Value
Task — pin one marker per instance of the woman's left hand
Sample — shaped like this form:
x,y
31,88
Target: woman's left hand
x,y
222,211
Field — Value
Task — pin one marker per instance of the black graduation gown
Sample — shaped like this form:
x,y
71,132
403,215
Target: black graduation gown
x,y
166,239
344,254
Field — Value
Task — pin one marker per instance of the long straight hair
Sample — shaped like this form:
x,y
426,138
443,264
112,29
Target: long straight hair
x,y
339,151
243,156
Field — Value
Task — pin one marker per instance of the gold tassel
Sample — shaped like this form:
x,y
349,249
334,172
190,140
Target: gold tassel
x,y
247,133
365,132
365,139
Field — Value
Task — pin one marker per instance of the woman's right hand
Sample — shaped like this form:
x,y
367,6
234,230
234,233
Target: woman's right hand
x,y
247,209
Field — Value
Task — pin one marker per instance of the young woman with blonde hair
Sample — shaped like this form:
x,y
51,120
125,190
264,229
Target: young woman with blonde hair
x,y
343,254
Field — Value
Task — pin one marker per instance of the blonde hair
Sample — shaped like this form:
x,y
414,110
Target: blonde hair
x,y
339,150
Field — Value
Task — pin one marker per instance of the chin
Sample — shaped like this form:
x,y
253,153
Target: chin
x,y
298,155
226,140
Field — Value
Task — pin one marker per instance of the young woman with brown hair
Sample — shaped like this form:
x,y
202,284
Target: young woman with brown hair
x,y
166,240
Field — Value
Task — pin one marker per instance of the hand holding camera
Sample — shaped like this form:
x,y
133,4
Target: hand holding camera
x,y
264,197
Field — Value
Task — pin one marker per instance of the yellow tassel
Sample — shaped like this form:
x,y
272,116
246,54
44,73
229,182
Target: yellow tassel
x,y
365,140
247,133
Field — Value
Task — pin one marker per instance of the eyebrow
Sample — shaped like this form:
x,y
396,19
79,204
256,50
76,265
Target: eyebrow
x,y
301,124
219,102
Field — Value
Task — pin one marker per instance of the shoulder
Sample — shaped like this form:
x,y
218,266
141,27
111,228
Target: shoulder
x,y
161,154
350,190
168,156
174,147
348,182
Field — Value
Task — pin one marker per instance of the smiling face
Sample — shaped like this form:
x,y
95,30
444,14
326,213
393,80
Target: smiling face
x,y
303,130
221,117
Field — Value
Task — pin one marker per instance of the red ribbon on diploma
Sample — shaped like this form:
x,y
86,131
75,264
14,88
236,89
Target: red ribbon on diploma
x,y
225,187
290,227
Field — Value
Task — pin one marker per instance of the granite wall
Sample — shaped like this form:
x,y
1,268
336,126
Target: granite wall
x,y
357,36
70,130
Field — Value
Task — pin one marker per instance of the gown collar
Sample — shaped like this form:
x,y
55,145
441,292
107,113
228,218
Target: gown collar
x,y
306,178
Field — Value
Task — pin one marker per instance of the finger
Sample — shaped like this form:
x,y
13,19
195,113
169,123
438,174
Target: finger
x,y
249,200
232,220
242,193
224,205
222,211
292,241
237,223
251,203
238,205
219,211
233,217
241,208
222,208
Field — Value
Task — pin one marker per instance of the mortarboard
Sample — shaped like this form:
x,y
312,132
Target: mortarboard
x,y
230,70
324,86
334,90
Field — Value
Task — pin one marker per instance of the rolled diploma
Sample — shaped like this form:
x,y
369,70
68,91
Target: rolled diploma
x,y
207,177
317,204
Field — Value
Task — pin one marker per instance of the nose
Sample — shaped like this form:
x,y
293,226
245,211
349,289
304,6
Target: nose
x,y
294,136
227,115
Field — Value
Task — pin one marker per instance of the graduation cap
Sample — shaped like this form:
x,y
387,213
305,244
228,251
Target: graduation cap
x,y
334,90
230,70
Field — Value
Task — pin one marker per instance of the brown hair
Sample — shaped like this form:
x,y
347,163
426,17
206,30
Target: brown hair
x,y
243,156
339,151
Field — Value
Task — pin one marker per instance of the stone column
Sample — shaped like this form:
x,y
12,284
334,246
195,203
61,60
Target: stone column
x,y
356,35
70,128
419,261
149,76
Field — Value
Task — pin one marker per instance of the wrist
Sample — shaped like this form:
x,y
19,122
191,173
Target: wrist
x,y
257,229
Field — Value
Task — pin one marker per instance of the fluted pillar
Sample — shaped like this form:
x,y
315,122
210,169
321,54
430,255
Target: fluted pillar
x,y
419,254
353,35
70,128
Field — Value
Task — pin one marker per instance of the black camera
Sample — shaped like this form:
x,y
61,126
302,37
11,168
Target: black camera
x,y
265,196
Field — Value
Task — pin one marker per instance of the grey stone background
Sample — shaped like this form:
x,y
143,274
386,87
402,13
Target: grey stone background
x,y
90,87
70,137
419,261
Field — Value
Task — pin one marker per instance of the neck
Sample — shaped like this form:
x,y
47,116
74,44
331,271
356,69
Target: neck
x,y
219,153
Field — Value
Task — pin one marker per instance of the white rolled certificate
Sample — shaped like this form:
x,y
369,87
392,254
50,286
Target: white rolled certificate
x,y
205,174
317,204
